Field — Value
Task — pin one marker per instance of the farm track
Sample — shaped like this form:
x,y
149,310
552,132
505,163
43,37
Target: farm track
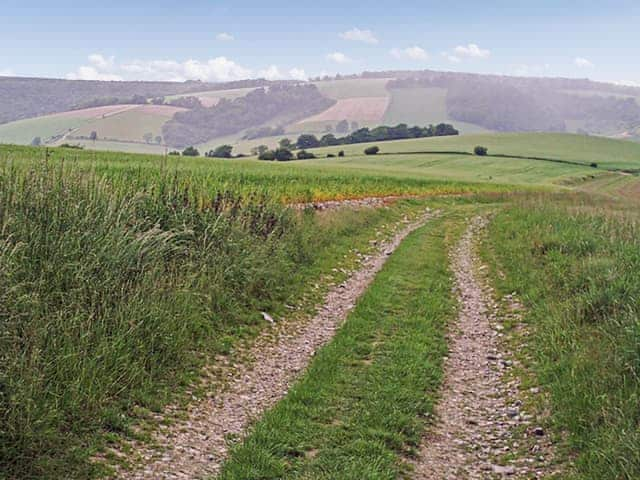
x,y
480,416
198,446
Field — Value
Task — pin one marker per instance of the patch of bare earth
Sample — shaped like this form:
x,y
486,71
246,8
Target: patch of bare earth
x,y
367,109
196,447
482,430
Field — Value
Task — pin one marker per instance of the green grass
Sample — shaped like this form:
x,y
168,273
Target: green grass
x,y
423,106
126,126
574,262
360,407
24,131
283,181
113,297
574,148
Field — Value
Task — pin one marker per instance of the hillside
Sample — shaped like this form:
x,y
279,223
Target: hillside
x,y
236,113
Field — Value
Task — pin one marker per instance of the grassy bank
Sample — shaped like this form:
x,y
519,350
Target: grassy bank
x,y
360,406
574,260
111,297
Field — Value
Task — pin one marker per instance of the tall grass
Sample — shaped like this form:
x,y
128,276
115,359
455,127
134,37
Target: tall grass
x,y
105,295
575,260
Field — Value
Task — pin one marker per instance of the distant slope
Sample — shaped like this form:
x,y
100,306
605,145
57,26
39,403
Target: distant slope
x,y
583,149
22,98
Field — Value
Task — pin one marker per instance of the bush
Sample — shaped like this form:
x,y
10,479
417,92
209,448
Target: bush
x,y
481,151
330,155
594,165
174,153
304,155
283,154
223,151
372,150
341,153
190,152
268,155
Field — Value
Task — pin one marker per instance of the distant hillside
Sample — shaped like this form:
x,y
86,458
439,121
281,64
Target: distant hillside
x,y
248,113
22,98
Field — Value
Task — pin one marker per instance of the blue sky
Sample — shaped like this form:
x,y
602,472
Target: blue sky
x,y
222,40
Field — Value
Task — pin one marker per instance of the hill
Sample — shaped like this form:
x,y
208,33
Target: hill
x,y
472,103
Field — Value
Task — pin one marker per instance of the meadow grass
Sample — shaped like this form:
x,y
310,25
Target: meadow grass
x,y
285,182
583,149
574,261
359,409
111,298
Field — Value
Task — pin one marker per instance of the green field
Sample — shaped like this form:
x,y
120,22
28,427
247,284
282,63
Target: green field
x,y
123,275
573,148
423,106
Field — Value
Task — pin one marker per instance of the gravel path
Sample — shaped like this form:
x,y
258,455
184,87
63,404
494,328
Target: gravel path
x,y
480,417
197,447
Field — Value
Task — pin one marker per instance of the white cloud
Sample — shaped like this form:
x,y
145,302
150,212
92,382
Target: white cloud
x,y
411,53
451,58
471,51
225,37
338,57
581,62
219,69
357,35
298,74
273,73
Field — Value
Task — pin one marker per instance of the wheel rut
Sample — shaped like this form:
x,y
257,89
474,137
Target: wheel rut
x,y
480,418
197,446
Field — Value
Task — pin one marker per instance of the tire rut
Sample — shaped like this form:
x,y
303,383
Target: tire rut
x,y
198,446
479,414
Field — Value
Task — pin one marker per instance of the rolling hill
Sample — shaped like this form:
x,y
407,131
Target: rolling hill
x,y
474,104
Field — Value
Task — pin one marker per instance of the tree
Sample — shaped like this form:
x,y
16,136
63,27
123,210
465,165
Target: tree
x,y
481,151
190,152
158,101
304,155
329,140
174,153
147,137
36,142
259,150
285,143
159,139
341,153
342,127
371,150
283,154
93,136
268,155
223,151
307,141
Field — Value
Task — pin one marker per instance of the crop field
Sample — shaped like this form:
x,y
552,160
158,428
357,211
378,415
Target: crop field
x,y
134,282
423,106
130,125
340,89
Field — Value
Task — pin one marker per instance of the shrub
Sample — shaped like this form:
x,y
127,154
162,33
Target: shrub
x,y
481,151
191,152
223,151
283,155
174,153
594,165
330,155
304,155
341,153
372,150
268,155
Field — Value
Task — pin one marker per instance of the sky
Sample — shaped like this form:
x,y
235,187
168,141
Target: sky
x,y
224,40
